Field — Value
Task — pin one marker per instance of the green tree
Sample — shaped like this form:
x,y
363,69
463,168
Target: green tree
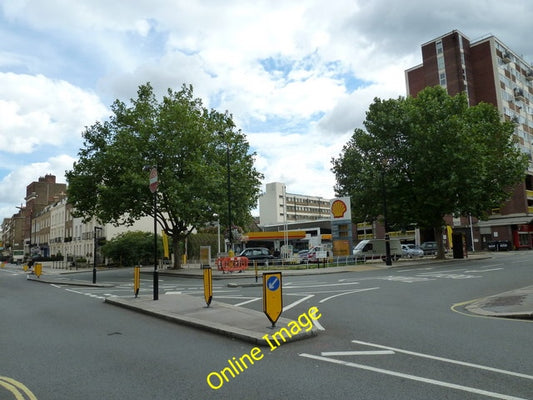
x,y
132,248
188,144
430,156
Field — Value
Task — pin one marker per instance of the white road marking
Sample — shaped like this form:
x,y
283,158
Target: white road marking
x,y
450,276
404,279
288,307
248,301
484,270
350,292
356,353
322,285
414,378
466,364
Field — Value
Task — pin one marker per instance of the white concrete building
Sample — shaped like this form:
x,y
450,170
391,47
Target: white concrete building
x,y
275,202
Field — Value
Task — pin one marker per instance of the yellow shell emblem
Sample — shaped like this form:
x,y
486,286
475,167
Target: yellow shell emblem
x,y
338,208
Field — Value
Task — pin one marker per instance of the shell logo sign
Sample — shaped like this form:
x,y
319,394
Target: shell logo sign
x,y
340,208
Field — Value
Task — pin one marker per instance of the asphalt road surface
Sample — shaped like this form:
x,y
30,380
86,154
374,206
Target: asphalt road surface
x,y
398,333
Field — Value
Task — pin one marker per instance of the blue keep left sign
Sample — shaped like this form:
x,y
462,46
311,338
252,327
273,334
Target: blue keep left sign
x,y
273,283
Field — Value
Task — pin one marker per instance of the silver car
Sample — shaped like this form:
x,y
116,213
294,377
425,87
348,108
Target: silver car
x,y
411,250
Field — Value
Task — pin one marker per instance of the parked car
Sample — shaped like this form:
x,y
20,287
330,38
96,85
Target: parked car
x,y
317,253
411,250
303,255
369,249
259,254
429,248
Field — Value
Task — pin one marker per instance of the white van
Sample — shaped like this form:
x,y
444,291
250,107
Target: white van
x,y
370,249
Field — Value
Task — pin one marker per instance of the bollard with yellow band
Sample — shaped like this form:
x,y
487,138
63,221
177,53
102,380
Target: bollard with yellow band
x,y
38,269
208,285
136,280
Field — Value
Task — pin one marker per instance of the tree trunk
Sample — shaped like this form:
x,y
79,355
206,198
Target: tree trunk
x,y
440,243
177,252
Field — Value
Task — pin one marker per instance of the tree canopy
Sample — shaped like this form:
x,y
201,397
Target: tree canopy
x,y
132,248
431,156
187,143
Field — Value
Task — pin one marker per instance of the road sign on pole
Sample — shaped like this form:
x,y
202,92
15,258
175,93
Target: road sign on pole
x,y
272,296
154,181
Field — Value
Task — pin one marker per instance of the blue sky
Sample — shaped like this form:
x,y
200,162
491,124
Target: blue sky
x,y
297,75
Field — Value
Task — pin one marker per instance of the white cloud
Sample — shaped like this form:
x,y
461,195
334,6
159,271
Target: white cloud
x,y
36,111
297,76
13,185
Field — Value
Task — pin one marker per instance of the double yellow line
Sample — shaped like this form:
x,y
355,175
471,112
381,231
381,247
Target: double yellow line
x,y
19,390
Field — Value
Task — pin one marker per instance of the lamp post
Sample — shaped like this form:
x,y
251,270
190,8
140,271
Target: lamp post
x,y
218,232
32,196
229,192
154,184
96,229
388,260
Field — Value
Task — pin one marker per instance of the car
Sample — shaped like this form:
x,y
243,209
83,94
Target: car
x,y
411,250
429,248
318,253
259,254
303,255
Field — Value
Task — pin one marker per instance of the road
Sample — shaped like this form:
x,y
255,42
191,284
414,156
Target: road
x,y
396,333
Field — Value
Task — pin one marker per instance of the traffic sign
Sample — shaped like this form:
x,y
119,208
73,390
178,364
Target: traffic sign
x,y
272,296
154,182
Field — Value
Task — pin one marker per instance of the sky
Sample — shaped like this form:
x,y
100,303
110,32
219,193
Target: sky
x,y
297,75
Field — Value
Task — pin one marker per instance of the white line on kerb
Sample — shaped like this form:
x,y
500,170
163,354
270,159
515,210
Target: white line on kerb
x,y
414,378
466,364
318,326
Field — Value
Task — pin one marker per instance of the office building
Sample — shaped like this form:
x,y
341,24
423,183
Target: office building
x,y
276,206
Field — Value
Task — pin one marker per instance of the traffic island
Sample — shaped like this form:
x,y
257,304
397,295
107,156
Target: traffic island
x,y
221,318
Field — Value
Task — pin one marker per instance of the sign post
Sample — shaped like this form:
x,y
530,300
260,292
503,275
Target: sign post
x,y
208,285
272,296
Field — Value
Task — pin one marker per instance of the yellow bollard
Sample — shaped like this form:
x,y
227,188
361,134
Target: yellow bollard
x,y
38,269
136,280
25,267
208,285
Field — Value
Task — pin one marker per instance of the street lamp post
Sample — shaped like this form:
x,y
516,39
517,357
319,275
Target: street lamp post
x,y
154,184
229,192
96,229
388,260
218,232
31,197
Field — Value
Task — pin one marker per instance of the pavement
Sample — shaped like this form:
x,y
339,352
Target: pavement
x,y
253,326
